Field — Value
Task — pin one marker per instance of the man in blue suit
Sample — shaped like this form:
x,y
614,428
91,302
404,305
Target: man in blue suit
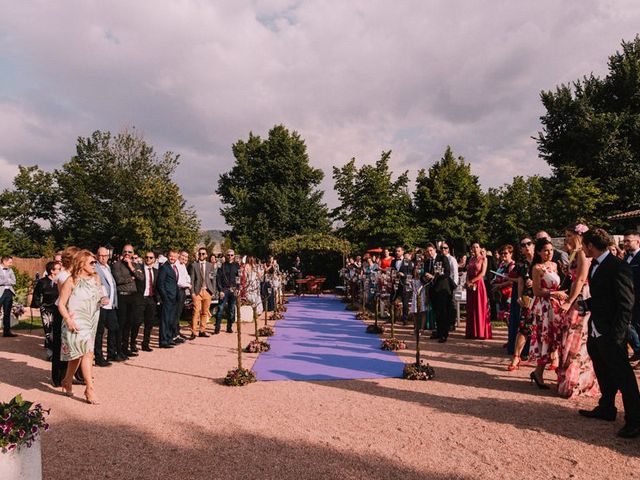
x,y
167,285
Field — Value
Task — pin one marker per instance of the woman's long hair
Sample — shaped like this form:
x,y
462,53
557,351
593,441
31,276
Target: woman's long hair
x,y
79,260
540,244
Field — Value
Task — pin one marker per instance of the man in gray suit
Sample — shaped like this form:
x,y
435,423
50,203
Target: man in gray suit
x,y
108,314
203,281
7,282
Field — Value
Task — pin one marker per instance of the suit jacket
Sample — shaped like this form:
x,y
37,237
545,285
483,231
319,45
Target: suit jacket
x,y
167,283
141,284
611,299
198,281
635,272
406,268
125,278
441,282
226,276
106,285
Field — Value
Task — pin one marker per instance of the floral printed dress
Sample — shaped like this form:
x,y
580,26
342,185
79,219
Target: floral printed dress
x,y
545,334
84,303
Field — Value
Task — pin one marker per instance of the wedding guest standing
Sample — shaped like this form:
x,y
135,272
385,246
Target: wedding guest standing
x,y
437,271
575,369
403,268
80,300
148,302
226,283
203,279
611,303
631,243
502,283
545,336
168,291
520,310
126,272
45,294
7,292
108,314
478,323
184,291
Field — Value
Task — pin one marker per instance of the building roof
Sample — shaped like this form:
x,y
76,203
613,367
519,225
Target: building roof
x,y
626,215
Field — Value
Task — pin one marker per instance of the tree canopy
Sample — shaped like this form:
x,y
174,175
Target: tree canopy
x,y
271,191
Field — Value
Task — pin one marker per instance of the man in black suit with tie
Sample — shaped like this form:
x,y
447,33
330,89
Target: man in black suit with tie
x,y
167,284
610,305
631,243
404,270
148,300
440,292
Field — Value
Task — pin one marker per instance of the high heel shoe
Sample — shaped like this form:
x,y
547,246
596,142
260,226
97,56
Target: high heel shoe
x,y
552,367
541,385
515,364
67,389
88,395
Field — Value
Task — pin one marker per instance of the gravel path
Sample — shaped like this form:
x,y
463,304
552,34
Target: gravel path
x,y
165,415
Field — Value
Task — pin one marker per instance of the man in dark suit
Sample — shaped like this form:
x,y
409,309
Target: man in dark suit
x,y
437,271
203,288
126,272
610,305
147,302
226,283
167,284
404,270
631,243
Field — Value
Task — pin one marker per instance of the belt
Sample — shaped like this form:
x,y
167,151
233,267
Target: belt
x,y
126,293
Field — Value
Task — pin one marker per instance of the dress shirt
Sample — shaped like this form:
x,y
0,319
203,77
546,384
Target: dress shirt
x,y
106,270
184,280
148,273
453,264
398,264
594,330
632,255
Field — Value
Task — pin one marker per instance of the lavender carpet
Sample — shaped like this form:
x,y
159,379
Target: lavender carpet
x,y
319,340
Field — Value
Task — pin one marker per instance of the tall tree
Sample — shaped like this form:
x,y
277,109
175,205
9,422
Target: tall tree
x,y
116,189
374,209
592,129
449,201
271,191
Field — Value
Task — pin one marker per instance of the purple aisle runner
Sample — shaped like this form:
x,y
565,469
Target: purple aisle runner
x,y
319,340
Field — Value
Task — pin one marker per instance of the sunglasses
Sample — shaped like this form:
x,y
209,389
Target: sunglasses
x,y
230,255
445,248
202,254
92,263
526,244
150,257
127,251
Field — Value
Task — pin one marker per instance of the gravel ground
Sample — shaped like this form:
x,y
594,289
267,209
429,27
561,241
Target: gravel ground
x,y
166,414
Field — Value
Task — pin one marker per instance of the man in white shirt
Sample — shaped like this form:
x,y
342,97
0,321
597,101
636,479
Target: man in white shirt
x,y
7,292
108,314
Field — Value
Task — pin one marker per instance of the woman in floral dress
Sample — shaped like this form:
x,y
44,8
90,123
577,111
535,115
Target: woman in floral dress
x,y
252,280
545,335
502,284
575,370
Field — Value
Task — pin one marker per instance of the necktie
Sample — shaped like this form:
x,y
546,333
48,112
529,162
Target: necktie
x,y
175,270
150,281
594,264
202,267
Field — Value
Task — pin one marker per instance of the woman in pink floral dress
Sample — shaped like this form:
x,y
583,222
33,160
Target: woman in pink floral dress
x,y
575,370
545,336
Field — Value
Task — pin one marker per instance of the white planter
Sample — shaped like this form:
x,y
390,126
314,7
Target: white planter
x,y
23,463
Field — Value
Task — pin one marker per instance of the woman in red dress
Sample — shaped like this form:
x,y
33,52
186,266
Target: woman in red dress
x,y
478,324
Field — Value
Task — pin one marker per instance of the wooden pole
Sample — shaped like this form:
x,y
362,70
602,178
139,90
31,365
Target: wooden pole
x,y
238,329
255,321
418,321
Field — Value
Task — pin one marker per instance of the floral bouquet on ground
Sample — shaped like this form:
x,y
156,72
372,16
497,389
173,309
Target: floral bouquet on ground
x,y
418,372
277,316
257,346
392,344
363,315
17,310
373,328
266,331
239,377
21,422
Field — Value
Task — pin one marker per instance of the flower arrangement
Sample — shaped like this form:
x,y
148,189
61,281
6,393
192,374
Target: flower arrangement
x,y
418,372
20,423
373,328
18,310
392,344
266,331
581,229
363,315
257,346
239,377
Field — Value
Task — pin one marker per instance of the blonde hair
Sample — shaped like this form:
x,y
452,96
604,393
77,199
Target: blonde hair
x,y
79,261
67,256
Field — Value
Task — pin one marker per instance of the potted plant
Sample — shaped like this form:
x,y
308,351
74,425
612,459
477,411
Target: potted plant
x,y
21,424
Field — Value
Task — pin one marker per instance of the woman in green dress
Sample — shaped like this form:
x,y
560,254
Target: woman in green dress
x,y
80,298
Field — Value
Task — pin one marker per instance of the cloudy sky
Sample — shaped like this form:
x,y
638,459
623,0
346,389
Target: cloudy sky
x,y
352,77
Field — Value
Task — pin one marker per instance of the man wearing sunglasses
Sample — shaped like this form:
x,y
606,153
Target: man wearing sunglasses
x,y
203,280
147,290
126,272
226,281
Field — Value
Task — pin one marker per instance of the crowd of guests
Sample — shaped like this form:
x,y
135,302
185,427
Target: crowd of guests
x,y
571,311
81,295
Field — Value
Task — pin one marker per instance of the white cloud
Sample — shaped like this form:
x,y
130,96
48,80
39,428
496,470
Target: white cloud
x,y
354,78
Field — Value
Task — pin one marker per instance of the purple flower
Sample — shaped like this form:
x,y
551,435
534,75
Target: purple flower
x,y
11,447
21,433
7,417
34,429
46,427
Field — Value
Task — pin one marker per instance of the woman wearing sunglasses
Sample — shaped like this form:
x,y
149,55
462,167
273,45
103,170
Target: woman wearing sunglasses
x,y
80,300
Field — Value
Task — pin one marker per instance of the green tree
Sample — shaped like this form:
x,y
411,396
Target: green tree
x,y
271,191
449,201
591,129
374,210
30,211
116,189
